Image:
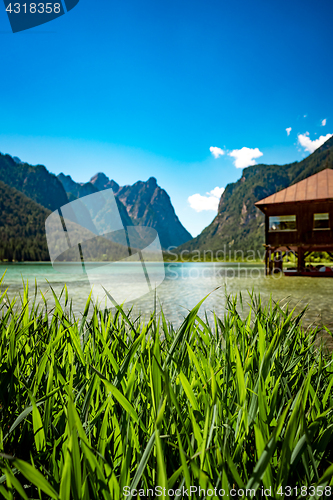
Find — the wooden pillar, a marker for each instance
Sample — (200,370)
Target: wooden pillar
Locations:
(300,259)
(270,262)
(266,262)
(273,262)
(278,261)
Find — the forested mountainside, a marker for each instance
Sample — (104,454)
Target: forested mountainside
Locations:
(36,182)
(22,227)
(239,225)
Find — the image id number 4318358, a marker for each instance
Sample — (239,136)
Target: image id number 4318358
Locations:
(33,8)
(305,491)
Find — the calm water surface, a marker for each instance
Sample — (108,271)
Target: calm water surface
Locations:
(185,285)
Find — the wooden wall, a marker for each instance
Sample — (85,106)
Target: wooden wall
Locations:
(305,234)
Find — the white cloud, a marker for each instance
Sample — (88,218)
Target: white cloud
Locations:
(288,130)
(323,123)
(309,145)
(216,192)
(216,152)
(245,156)
(210,202)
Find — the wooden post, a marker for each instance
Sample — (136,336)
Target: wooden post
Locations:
(300,259)
(266,262)
(270,262)
(278,261)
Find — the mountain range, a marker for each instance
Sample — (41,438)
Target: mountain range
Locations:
(239,225)
(143,203)
(28,194)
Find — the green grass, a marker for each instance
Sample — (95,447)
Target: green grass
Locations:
(90,406)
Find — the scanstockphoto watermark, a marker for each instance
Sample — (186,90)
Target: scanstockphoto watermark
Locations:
(217,271)
(225,254)
(222,264)
(88,239)
(183,492)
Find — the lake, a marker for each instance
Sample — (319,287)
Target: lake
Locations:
(184,286)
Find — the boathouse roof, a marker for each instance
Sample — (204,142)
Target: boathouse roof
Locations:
(316,187)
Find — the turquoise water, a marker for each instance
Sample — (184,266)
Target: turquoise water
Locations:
(184,286)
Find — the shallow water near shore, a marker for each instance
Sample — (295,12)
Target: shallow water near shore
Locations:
(184,286)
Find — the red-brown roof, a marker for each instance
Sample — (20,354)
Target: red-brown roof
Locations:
(316,187)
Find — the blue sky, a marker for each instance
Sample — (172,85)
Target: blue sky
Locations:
(145,88)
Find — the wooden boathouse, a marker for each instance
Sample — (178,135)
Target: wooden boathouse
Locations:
(299,219)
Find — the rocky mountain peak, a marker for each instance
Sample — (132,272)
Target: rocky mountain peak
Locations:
(102,181)
(67,182)
(143,203)
(17,160)
(152,182)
